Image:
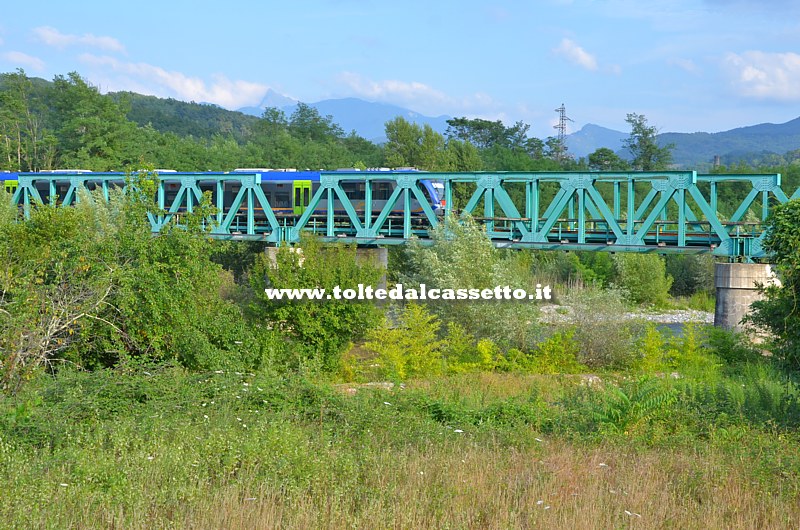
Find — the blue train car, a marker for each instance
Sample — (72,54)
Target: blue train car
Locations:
(290,192)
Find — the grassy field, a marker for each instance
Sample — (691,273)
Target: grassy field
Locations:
(158,447)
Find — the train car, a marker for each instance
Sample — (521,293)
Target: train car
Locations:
(8,181)
(289,192)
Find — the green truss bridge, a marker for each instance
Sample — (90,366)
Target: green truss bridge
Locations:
(663,212)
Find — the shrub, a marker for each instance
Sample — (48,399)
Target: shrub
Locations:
(732,347)
(557,355)
(643,277)
(411,348)
(650,351)
(322,329)
(605,337)
(450,263)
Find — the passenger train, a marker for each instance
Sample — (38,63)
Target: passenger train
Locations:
(288,192)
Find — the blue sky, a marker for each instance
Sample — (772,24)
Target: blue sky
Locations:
(688,65)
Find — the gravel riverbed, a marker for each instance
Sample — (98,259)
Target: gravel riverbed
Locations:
(559,314)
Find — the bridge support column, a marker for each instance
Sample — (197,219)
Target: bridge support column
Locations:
(379,257)
(737,288)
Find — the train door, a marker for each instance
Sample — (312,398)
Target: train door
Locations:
(10,185)
(301,196)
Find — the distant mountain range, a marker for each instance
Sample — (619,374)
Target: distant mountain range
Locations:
(366,118)
(697,150)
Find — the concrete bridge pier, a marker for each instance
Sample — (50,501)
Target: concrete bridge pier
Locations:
(737,287)
(379,257)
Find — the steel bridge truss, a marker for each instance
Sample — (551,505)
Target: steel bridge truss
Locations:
(672,211)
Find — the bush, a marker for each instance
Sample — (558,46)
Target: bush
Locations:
(650,352)
(691,273)
(732,347)
(556,355)
(643,277)
(411,348)
(605,337)
(450,263)
(322,329)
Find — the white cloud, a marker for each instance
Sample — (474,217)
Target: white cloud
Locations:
(391,90)
(156,81)
(570,50)
(687,65)
(52,37)
(24,60)
(763,75)
(417,96)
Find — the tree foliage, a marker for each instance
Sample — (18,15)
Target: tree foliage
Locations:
(91,285)
(780,311)
(643,145)
(643,277)
(450,264)
(323,327)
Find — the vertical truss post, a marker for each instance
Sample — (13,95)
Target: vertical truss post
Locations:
(681,217)
(220,200)
(629,226)
(367,203)
(331,222)
(581,216)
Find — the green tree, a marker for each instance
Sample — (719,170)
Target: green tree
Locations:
(643,277)
(780,311)
(450,263)
(25,143)
(93,131)
(307,123)
(409,144)
(323,328)
(605,159)
(643,145)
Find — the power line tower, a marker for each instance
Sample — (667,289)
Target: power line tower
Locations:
(561,147)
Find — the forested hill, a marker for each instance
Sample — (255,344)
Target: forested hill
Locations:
(68,123)
(763,144)
(201,120)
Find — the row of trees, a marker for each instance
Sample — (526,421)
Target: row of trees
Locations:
(68,123)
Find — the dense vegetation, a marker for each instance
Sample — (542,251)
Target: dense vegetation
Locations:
(148,382)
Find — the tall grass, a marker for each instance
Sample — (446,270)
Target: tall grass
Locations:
(161,448)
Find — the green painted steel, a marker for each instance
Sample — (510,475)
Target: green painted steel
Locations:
(663,212)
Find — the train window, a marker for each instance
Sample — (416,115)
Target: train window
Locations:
(283,200)
(354,190)
(349,189)
(382,191)
(306,197)
(297,197)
